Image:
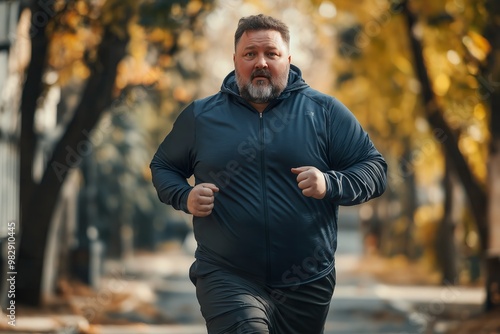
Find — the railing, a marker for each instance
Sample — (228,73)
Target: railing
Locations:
(9,135)
(9,157)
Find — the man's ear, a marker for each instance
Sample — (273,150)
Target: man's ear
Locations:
(289,59)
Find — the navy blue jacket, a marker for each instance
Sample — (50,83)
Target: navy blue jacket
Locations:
(261,225)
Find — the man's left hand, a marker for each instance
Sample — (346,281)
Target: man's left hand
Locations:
(311,180)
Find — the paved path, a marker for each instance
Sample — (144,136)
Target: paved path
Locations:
(360,304)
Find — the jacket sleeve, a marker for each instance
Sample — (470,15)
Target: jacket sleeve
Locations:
(172,163)
(359,172)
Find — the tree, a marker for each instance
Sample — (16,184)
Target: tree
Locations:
(475,192)
(109,25)
(417,143)
(479,199)
(38,201)
(492,72)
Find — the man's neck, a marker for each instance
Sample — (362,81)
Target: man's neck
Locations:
(259,106)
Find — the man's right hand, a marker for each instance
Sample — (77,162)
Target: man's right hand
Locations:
(201,199)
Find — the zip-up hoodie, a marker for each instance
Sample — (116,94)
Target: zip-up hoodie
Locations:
(262,226)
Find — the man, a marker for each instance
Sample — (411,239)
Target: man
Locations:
(272,159)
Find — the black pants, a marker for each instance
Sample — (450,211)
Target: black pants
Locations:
(232,304)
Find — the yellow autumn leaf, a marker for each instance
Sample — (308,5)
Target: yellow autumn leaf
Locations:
(159,35)
(80,70)
(72,19)
(185,38)
(193,7)
(467,145)
(478,46)
(403,64)
(427,214)
(181,94)
(441,84)
(165,61)
(138,45)
(82,8)
(480,112)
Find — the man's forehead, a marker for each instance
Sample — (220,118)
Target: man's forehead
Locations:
(254,38)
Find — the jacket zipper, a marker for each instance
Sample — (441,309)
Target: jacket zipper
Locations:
(264,195)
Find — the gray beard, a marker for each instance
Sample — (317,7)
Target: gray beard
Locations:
(263,91)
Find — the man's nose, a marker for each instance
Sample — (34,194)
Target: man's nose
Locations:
(261,62)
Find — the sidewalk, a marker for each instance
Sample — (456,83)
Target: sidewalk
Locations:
(401,309)
(151,293)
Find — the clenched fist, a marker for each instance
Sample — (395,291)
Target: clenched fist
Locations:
(201,199)
(311,180)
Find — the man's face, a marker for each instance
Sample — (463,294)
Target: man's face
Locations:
(261,63)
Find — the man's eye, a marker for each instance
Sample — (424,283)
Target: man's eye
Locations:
(249,54)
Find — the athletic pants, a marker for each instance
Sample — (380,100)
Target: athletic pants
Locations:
(232,304)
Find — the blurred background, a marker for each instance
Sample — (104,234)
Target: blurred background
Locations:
(89,89)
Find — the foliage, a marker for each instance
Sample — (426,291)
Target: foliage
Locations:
(158,29)
(95,70)
(377,81)
(158,32)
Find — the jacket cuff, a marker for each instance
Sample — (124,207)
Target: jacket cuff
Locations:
(332,189)
(183,201)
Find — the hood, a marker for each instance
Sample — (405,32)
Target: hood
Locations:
(295,82)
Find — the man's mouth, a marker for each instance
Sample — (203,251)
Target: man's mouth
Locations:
(261,75)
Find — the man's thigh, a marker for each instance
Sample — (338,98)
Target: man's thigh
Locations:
(304,308)
(231,304)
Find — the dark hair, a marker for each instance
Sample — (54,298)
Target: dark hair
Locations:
(261,22)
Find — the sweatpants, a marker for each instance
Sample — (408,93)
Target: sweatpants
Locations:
(232,304)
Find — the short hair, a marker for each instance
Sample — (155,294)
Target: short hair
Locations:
(261,22)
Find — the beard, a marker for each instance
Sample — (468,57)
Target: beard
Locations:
(263,91)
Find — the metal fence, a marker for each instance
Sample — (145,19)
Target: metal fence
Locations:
(9,115)
(9,135)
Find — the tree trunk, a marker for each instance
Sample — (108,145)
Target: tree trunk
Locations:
(445,237)
(31,92)
(37,209)
(492,71)
(409,199)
